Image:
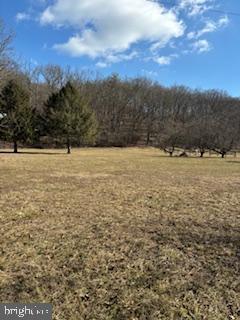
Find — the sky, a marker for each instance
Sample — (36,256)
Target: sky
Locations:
(175,42)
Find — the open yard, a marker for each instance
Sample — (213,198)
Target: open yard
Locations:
(124,234)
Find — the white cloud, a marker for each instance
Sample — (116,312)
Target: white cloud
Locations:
(101,64)
(110,31)
(115,58)
(165,60)
(195,7)
(107,28)
(21,16)
(223,22)
(111,58)
(201,46)
(210,26)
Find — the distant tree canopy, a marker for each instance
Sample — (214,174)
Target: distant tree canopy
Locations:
(72,109)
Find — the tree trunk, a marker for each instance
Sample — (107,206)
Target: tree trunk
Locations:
(223,154)
(15,147)
(148,138)
(170,154)
(68,146)
(201,154)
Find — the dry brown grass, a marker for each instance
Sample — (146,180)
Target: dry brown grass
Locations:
(121,234)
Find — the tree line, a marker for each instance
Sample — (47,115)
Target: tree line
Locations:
(46,106)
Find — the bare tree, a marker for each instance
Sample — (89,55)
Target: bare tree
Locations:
(225,128)
(6,62)
(54,77)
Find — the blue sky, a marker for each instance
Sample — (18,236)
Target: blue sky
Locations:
(171,41)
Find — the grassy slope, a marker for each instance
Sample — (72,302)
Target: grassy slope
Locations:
(121,234)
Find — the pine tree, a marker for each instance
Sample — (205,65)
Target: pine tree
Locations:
(69,117)
(16,114)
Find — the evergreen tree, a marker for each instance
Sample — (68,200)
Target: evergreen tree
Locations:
(68,117)
(16,115)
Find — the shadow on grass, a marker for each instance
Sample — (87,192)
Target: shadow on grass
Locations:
(188,157)
(33,153)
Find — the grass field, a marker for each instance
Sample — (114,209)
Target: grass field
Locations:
(121,234)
